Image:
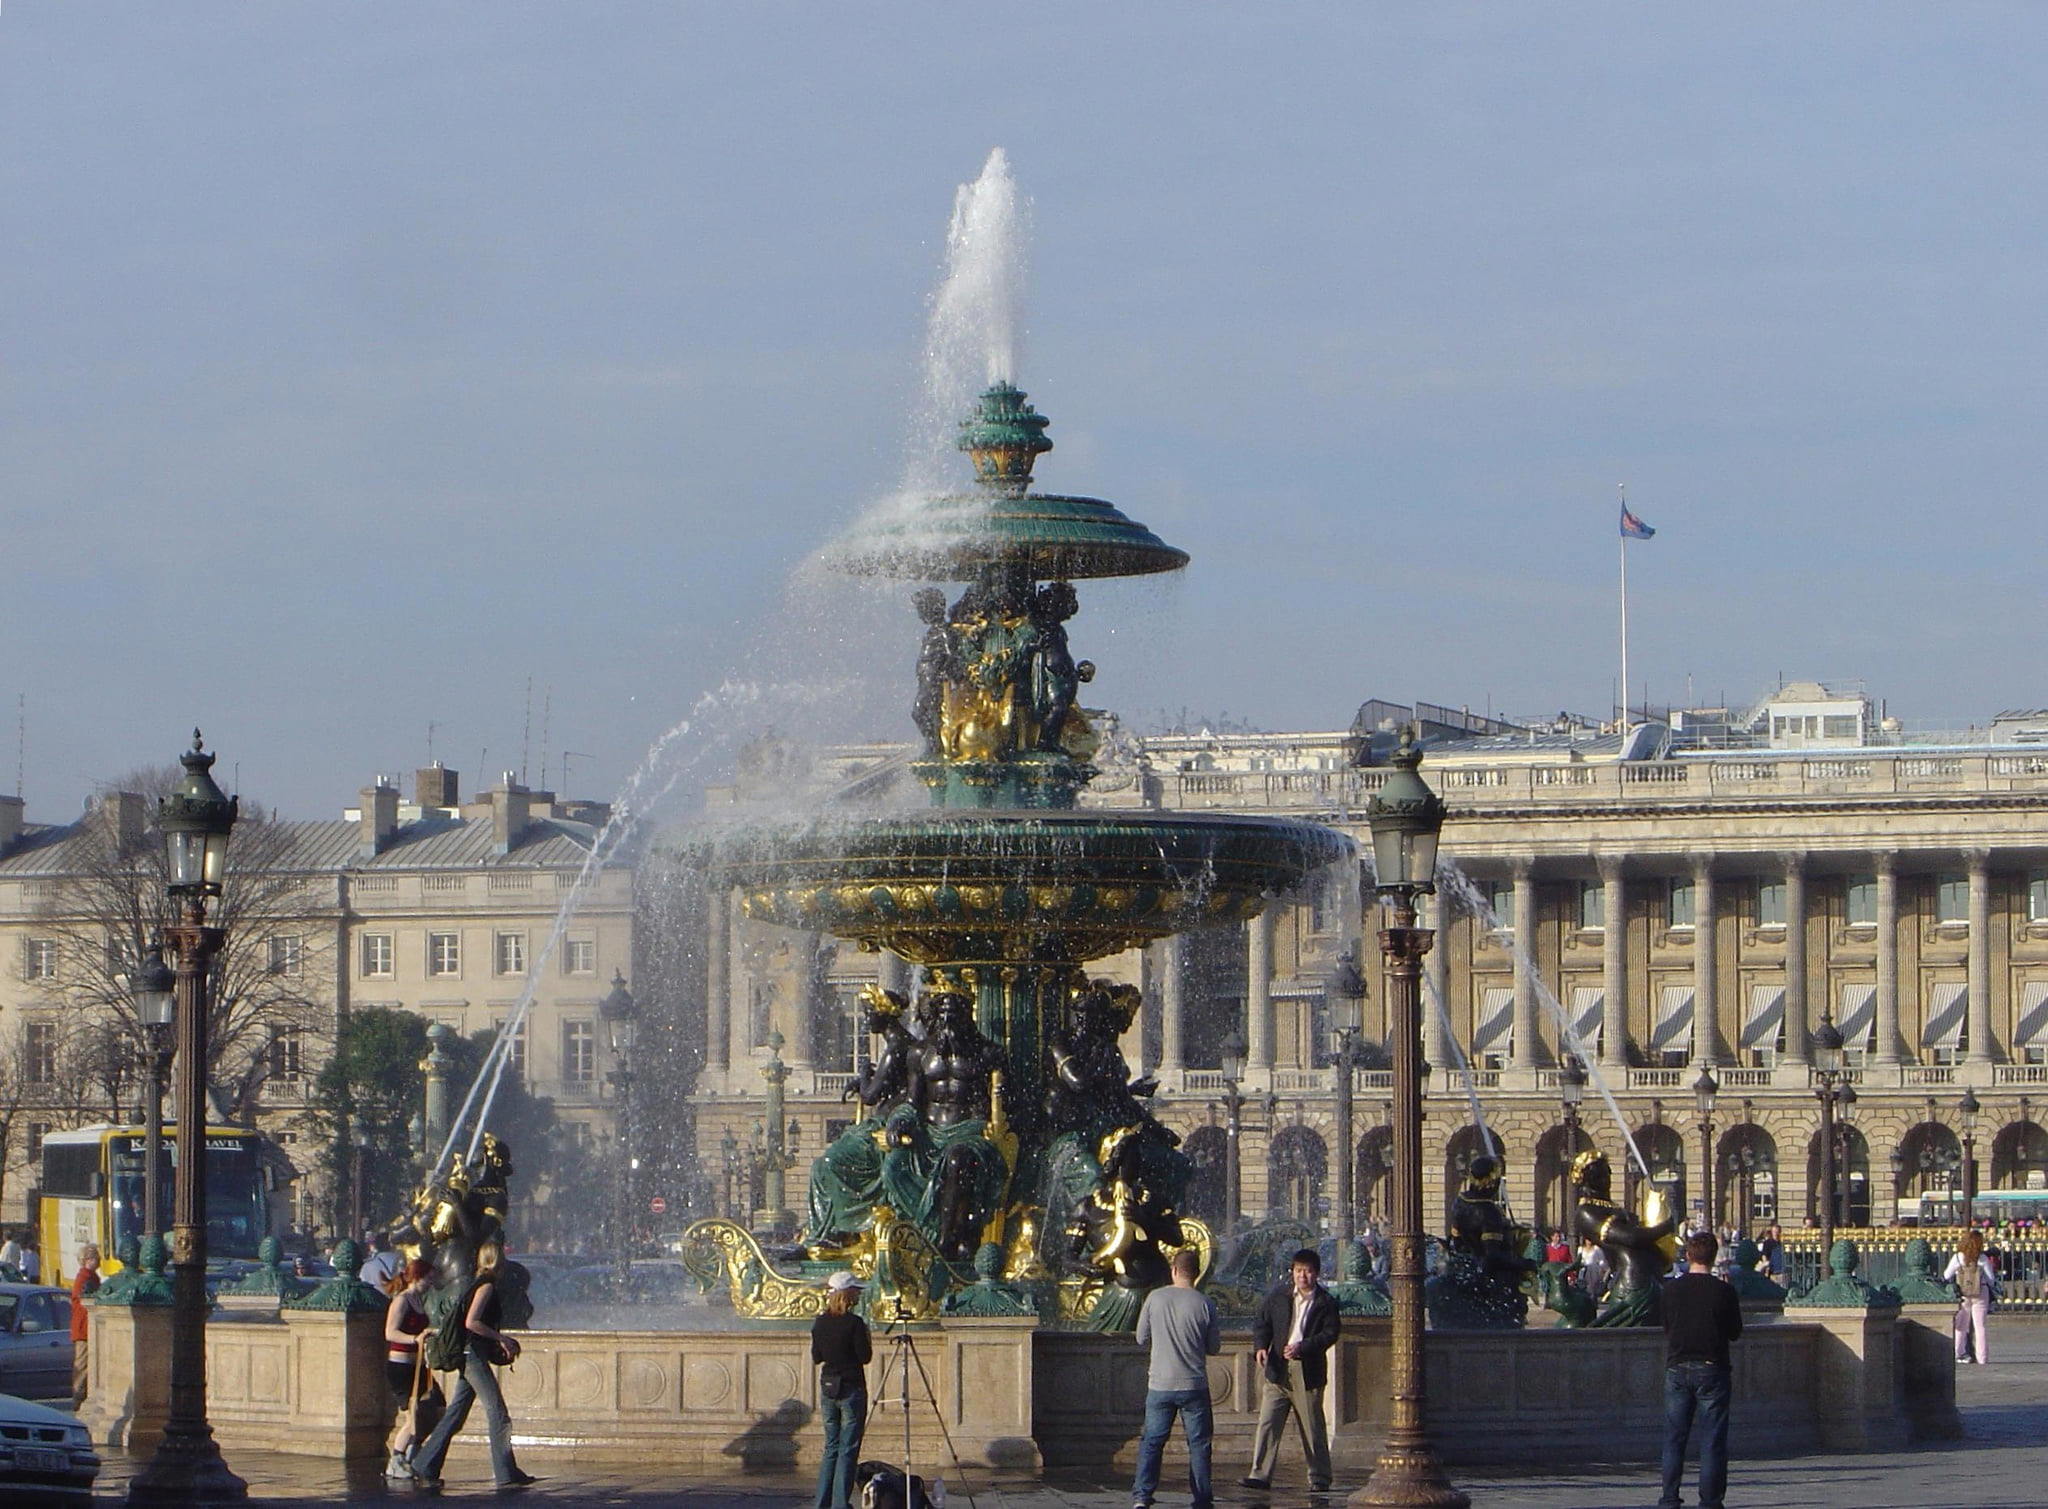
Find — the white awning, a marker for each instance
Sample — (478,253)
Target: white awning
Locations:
(2032,1030)
(1946,1003)
(1856,1017)
(1496,1032)
(1763,1025)
(1588,1005)
(1673,1032)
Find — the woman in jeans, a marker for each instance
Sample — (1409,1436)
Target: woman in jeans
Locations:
(840,1344)
(479,1380)
(1976,1284)
(404,1321)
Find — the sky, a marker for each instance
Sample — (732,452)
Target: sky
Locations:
(364,364)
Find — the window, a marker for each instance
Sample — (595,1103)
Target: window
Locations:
(515,1054)
(39,959)
(510,954)
(1838,728)
(377,961)
(1592,906)
(1493,1038)
(1952,900)
(287,954)
(579,1052)
(39,1052)
(37,1131)
(1681,903)
(288,1056)
(1770,903)
(1859,901)
(2037,897)
(579,956)
(444,953)
(1501,899)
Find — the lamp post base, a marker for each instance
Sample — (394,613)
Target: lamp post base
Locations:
(187,1469)
(1409,1480)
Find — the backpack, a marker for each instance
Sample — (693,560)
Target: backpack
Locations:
(1970,1280)
(445,1342)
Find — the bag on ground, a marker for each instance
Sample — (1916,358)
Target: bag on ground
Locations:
(881,1487)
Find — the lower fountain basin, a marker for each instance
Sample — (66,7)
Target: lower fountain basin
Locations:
(945,886)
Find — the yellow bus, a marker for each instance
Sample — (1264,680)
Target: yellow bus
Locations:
(92,1192)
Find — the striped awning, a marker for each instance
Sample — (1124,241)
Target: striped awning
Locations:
(1946,1003)
(1856,1016)
(1763,1025)
(1673,1031)
(1588,1005)
(1496,1031)
(2032,1029)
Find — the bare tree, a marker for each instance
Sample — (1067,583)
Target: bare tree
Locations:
(24,1090)
(272,976)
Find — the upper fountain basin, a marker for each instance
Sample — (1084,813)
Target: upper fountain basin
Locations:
(1071,886)
(1053,536)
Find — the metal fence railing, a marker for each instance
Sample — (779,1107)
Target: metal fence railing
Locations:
(2021,1256)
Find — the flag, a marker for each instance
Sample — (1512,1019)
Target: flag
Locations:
(1633,528)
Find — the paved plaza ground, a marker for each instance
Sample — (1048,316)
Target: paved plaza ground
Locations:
(2002,1464)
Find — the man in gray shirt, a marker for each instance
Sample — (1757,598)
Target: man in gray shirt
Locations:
(1179,1324)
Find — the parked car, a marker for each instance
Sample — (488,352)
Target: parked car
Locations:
(35,1341)
(44,1453)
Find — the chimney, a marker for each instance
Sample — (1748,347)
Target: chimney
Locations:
(379,820)
(436,786)
(126,815)
(509,813)
(10,822)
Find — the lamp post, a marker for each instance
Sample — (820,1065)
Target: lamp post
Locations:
(1406,819)
(1571,1090)
(1233,1110)
(1967,1109)
(1347,1017)
(155,991)
(729,1146)
(773,1218)
(196,821)
(1704,1089)
(1827,1071)
(358,1134)
(621,1018)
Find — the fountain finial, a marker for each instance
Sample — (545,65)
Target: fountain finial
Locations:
(1004,435)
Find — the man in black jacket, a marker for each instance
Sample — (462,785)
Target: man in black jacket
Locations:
(1701,1315)
(1297,1325)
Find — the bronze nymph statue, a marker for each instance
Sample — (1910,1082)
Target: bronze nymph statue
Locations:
(1639,1251)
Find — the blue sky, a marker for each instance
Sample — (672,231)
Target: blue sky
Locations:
(473,344)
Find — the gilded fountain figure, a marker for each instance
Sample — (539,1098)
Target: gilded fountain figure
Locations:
(1639,1248)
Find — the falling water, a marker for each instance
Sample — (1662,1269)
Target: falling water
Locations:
(1474,901)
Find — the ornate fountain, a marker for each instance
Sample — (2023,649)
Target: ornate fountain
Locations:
(1006,1161)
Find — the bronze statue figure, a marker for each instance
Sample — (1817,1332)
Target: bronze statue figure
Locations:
(965,1173)
(846,1179)
(938,665)
(1639,1251)
(1480,1288)
(1056,677)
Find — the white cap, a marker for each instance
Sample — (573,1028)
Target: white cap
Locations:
(841,1280)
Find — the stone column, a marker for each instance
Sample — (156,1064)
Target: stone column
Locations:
(1797,1026)
(892,972)
(1436,995)
(739,1010)
(1259,993)
(1706,973)
(805,988)
(717,983)
(1888,1045)
(1172,1005)
(1982,1049)
(1525,966)
(1614,964)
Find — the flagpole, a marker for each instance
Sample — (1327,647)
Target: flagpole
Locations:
(1622,488)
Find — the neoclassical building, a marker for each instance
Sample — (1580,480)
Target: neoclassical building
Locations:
(1699,892)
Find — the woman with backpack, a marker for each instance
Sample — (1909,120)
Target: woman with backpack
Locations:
(842,1348)
(1976,1281)
(404,1369)
(484,1349)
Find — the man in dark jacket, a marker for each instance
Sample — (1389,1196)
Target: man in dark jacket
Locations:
(1297,1326)
(1701,1315)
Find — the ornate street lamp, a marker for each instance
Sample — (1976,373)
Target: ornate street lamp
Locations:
(358,1134)
(1827,1072)
(154,990)
(196,821)
(773,1218)
(1967,1109)
(1347,1018)
(1406,819)
(729,1147)
(1704,1089)
(621,1018)
(1233,1110)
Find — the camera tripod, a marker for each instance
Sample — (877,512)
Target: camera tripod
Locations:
(903,1357)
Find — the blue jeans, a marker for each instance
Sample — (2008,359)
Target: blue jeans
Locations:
(1197,1423)
(477,1381)
(1702,1388)
(844,1419)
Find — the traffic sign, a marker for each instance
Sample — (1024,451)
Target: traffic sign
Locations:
(657,1206)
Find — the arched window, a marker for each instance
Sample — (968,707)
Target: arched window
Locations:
(1663,1148)
(1465,1144)
(1852,1177)
(1555,1150)
(1295,1170)
(1208,1149)
(1375,1168)
(2019,1157)
(1746,1178)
